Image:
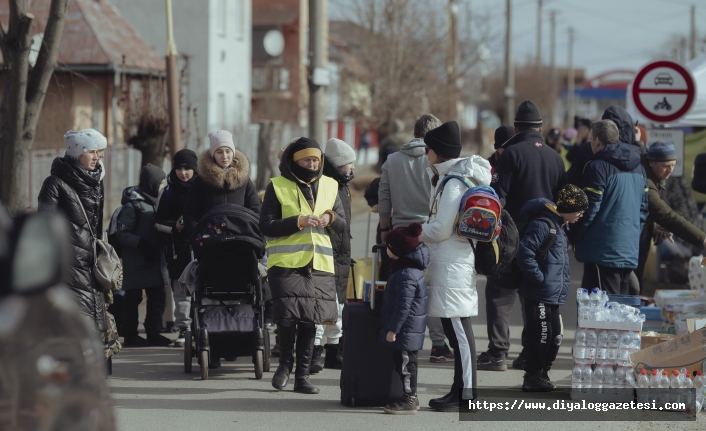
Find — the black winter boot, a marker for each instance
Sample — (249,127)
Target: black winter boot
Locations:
(334,359)
(305,346)
(533,382)
(287,334)
(317,363)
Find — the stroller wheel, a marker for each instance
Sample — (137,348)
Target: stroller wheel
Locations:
(188,351)
(258,360)
(266,359)
(204,364)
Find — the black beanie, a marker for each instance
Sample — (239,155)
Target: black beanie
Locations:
(503,134)
(698,183)
(185,159)
(303,144)
(445,140)
(528,113)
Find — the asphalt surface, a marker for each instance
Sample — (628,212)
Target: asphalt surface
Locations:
(152,392)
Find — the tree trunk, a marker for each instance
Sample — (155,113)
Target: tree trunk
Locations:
(23,94)
(266,152)
(153,151)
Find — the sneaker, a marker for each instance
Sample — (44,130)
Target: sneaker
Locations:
(520,362)
(181,339)
(158,340)
(135,341)
(535,383)
(406,405)
(545,377)
(440,354)
(488,362)
(317,364)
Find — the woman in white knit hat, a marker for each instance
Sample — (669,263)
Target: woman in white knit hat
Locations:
(224,177)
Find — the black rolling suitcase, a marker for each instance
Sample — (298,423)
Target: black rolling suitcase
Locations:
(368,376)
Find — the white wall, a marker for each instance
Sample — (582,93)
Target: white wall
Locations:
(230,67)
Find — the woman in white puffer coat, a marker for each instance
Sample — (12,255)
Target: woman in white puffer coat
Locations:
(451,276)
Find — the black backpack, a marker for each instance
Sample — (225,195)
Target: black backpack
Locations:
(494,258)
(510,276)
(113,228)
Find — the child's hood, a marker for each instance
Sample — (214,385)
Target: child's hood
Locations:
(541,207)
(420,256)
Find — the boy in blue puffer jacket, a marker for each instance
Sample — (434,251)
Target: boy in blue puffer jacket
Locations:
(404,311)
(545,279)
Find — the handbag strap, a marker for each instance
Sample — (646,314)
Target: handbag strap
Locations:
(88,222)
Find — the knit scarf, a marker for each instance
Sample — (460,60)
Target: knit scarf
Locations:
(402,263)
(304,175)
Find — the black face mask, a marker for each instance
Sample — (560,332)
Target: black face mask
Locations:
(303,174)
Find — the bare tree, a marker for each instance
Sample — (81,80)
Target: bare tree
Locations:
(145,120)
(530,83)
(23,93)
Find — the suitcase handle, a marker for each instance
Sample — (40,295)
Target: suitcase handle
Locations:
(376,252)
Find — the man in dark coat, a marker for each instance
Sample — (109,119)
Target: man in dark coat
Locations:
(659,164)
(607,238)
(143,259)
(73,190)
(527,169)
(338,164)
(174,239)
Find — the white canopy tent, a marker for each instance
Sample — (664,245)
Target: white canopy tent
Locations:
(697,114)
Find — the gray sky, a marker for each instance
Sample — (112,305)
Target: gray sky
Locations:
(609,34)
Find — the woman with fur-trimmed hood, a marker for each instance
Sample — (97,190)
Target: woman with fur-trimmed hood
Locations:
(224,177)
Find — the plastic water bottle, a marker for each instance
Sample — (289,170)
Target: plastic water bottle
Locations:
(664,388)
(699,382)
(654,386)
(613,344)
(594,303)
(580,345)
(586,378)
(675,385)
(624,348)
(591,342)
(643,387)
(630,378)
(602,347)
(635,341)
(688,390)
(598,379)
(608,379)
(576,384)
(619,380)
(583,307)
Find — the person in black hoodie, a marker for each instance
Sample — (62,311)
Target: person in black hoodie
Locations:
(170,222)
(143,259)
(338,164)
(300,210)
(527,169)
(626,128)
(74,191)
(224,177)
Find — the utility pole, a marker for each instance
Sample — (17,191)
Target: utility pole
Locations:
(509,68)
(570,95)
(539,34)
(318,67)
(452,59)
(692,33)
(552,66)
(172,85)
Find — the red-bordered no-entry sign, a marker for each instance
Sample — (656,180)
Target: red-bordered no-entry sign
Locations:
(663,91)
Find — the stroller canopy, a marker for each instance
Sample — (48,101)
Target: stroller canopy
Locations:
(227,222)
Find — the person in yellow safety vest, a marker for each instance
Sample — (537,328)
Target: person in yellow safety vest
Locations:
(301,208)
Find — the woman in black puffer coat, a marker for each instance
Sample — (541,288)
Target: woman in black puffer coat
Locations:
(224,178)
(75,181)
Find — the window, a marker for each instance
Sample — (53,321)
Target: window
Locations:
(221,17)
(221,110)
(239,19)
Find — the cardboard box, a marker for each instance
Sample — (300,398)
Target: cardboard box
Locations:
(685,351)
(650,339)
(695,324)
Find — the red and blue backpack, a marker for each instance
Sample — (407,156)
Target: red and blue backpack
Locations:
(479,214)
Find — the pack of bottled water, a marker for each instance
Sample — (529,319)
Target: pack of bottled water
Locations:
(660,387)
(596,306)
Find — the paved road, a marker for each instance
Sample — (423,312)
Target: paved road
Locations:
(151,391)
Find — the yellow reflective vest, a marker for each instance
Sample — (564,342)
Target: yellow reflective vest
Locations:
(310,243)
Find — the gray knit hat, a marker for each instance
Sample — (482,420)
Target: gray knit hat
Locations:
(101,141)
(339,153)
(78,143)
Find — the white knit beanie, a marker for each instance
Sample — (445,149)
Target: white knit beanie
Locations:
(101,141)
(220,138)
(78,143)
(339,153)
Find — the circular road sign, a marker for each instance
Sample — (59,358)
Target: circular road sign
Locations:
(663,91)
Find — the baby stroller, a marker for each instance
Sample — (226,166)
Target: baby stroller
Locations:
(227,305)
